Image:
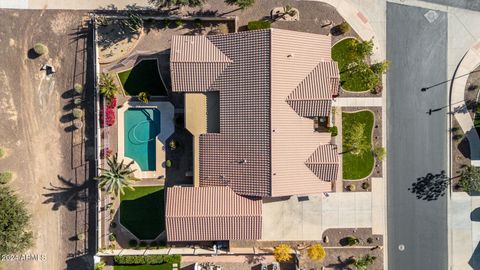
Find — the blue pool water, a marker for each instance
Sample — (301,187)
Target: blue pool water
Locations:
(142,125)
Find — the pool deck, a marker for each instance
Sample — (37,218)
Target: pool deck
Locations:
(166,130)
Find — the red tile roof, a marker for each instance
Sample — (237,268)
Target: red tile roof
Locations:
(211,213)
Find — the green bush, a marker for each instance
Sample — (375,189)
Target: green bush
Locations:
(132,243)
(5,177)
(344,27)
(365,185)
(168,163)
(80,236)
(77,113)
(143,97)
(178,23)
(173,144)
(40,49)
(333,130)
(100,266)
(140,260)
(352,241)
(2,152)
(78,88)
(77,101)
(112,237)
(379,152)
(255,25)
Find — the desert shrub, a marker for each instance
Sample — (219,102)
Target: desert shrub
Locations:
(132,243)
(369,240)
(168,163)
(40,49)
(223,28)
(80,236)
(78,123)
(77,101)
(255,25)
(365,185)
(112,237)
(333,130)
(2,152)
(344,27)
(5,177)
(316,252)
(282,253)
(351,241)
(78,88)
(77,113)
(351,187)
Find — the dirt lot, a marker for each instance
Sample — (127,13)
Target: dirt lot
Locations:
(49,156)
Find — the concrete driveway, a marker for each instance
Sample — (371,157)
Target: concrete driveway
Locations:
(305,218)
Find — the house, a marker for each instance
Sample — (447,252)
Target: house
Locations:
(273,90)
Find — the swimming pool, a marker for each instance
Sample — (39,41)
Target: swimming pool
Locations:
(141,127)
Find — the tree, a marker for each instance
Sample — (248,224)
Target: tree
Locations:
(108,88)
(364,49)
(363,262)
(355,139)
(143,97)
(242,4)
(344,27)
(282,253)
(15,235)
(117,177)
(379,152)
(360,75)
(470,179)
(177,3)
(316,252)
(100,265)
(380,67)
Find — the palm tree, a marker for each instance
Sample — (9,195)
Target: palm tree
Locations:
(108,88)
(117,177)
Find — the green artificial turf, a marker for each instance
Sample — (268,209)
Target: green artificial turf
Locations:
(165,266)
(359,166)
(344,53)
(143,77)
(142,211)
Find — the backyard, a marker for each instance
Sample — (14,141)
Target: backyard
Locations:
(143,77)
(142,211)
(357,166)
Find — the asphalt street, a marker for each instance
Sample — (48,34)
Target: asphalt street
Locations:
(466,4)
(417,124)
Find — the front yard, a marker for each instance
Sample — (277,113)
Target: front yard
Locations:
(357,166)
(142,211)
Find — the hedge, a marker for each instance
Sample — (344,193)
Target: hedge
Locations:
(140,260)
(255,25)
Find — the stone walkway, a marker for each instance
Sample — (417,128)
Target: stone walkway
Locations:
(358,102)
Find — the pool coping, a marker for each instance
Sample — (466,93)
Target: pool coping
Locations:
(160,154)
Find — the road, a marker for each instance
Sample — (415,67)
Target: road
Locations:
(416,143)
(466,4)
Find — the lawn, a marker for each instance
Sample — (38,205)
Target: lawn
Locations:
(165,266)
(358,81)
(143,77)
(359,166)
(142,211)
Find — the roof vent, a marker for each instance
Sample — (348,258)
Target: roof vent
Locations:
(242,161)
(290,55)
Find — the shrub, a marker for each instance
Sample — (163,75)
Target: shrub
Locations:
(112,237)
(178,23)
(255,25)
(379,152)
(173,144)
(365,185)
(344,27)
(380,67)
(112,103)
(134,22)
(143,97)
(106,152)
(151,259)
(223,28)
(470,179)
(377,89)
(166,23)
(168,163)
(80,237)
(100,266)
(316,252)
(369,240)
(282,253)
(132,243)
(40,49)
(108,117)
(77,113)
(78,88)
(333,130)
(352,241)
(351,187)
(2,152)
(78,123)
(5,177)
(77,101)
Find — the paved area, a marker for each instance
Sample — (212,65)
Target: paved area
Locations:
(417,141)
(305,218)
(358,102)
(466,4)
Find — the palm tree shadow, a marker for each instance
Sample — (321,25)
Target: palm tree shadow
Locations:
(69,194)
(431,186)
